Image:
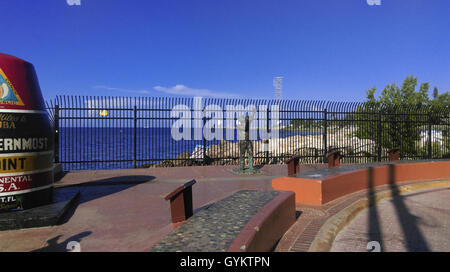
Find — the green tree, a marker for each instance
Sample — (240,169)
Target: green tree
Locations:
(440,100)
(397,117)
(435,92)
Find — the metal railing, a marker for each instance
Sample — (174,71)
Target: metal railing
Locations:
(125,132)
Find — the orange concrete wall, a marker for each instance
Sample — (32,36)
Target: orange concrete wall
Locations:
(424,170)
(318,192)
(299,186)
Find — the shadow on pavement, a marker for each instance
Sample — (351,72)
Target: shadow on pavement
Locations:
(54,246)
(408,222)
(374,228)
(100,188)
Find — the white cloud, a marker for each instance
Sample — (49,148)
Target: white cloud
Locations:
(175,90)
(184,90)
(121,89)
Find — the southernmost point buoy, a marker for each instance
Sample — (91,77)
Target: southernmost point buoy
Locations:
(26,138)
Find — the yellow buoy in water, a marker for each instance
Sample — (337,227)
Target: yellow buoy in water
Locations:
(103,112)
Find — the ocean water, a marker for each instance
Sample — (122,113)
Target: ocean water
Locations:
(114,148)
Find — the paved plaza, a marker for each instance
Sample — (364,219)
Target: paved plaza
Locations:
(419,214)
(414,221)
(125,210)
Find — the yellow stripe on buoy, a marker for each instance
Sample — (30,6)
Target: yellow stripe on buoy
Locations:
(23,163)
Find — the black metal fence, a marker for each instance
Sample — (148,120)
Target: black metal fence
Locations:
(125,132)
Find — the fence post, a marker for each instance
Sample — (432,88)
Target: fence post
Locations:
(204,141)
(135,138)
(267,130)
(56,127)
(379,135)
(325,134)
(429,136)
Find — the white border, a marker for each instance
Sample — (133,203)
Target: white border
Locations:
(26,172)
(26,191)
(22,111)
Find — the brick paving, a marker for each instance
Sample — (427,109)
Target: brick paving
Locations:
(414,221)
(301,235)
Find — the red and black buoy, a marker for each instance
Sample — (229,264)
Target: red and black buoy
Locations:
(26,138)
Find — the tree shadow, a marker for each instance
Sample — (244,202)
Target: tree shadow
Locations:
(54,246)
(97,189)
(415,241)
(374,228)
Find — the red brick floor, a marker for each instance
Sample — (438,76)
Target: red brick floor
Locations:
(180,174)
(115,213)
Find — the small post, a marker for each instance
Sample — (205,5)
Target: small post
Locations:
(181,207)
(293,165)
(394,154)
(56,127)
(334,158)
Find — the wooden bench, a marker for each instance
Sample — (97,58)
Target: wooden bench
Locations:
(181,202)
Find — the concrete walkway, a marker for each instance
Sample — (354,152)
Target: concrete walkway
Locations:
(414,221)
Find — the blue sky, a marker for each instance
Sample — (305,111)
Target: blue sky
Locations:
(324,49)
